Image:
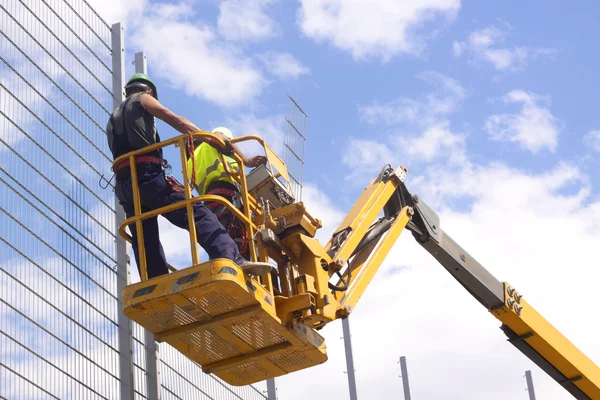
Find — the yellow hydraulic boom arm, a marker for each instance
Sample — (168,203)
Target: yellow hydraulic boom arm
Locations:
(525,328)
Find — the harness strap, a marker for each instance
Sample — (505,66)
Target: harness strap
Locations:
(140,159)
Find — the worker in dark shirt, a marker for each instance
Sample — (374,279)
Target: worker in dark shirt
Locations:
(132,127)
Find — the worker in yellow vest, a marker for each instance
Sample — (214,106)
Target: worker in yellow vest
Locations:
(212,178)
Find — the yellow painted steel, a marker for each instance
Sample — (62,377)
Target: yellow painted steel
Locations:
(361,216)
(365,265)
(297,215)
(137,207)
(171,207)
(275,162)
(545,339)
(226,322)
(309,256)
(187,189)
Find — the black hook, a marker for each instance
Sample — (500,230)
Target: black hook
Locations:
(102,178)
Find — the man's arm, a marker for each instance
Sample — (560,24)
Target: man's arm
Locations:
(183,125)
(164,114)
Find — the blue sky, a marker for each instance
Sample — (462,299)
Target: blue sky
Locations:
(539,51)
(491,106)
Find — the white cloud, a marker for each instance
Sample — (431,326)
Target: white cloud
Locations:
(326,210)
(373,155)
(113,11)
(431,106)
(485,45)
(401,109)
(378,29)
(283,65)
(416,130)
(246,20)
(178,47)
(457,48)
(269,128)
(435,140)
(534,127)
(592,139)
(176,243)
(435,143)
(187,52)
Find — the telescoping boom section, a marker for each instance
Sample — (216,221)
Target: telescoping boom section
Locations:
(245,329)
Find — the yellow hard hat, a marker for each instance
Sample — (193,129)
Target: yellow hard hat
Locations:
(224,131)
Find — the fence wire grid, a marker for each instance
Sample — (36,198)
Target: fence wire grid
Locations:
(59,307)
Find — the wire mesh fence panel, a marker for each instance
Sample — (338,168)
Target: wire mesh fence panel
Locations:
(58,303)
(139,362)
(59,308)
(183,379)
(293,145)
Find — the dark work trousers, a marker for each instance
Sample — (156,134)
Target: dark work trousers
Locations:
(235,227)
(155,192)
(230,221)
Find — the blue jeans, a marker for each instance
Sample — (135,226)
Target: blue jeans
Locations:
(155,192)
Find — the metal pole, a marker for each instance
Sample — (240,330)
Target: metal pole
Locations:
(271,389)
(349,359)
(123,275)
(152,355)
(141,64)
(404,375)
(530,388)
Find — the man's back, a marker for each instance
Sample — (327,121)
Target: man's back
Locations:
(131,127)
(208,167)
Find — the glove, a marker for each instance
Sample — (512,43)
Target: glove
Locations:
(228,150)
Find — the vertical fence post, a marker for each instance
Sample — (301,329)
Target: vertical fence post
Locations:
(530,388)
(349,359)
(123,276)
(152,349)
(141,64)
(271,389)
(404,375)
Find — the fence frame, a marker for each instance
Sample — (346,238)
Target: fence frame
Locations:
(123,271)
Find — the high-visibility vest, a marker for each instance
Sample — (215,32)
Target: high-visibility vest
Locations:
(208,166)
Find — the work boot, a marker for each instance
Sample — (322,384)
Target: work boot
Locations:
(254,267)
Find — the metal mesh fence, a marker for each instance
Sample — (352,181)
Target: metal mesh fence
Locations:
(59,308)
(139,362)
(293,144)
(183,379)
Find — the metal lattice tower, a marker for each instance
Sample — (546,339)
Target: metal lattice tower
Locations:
(293,144)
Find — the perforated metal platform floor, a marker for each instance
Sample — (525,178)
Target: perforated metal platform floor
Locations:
(224,321)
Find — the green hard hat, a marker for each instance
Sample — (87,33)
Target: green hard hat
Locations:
(139,77)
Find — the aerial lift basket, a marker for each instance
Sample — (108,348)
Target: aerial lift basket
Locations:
(219,318)
(212,312)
